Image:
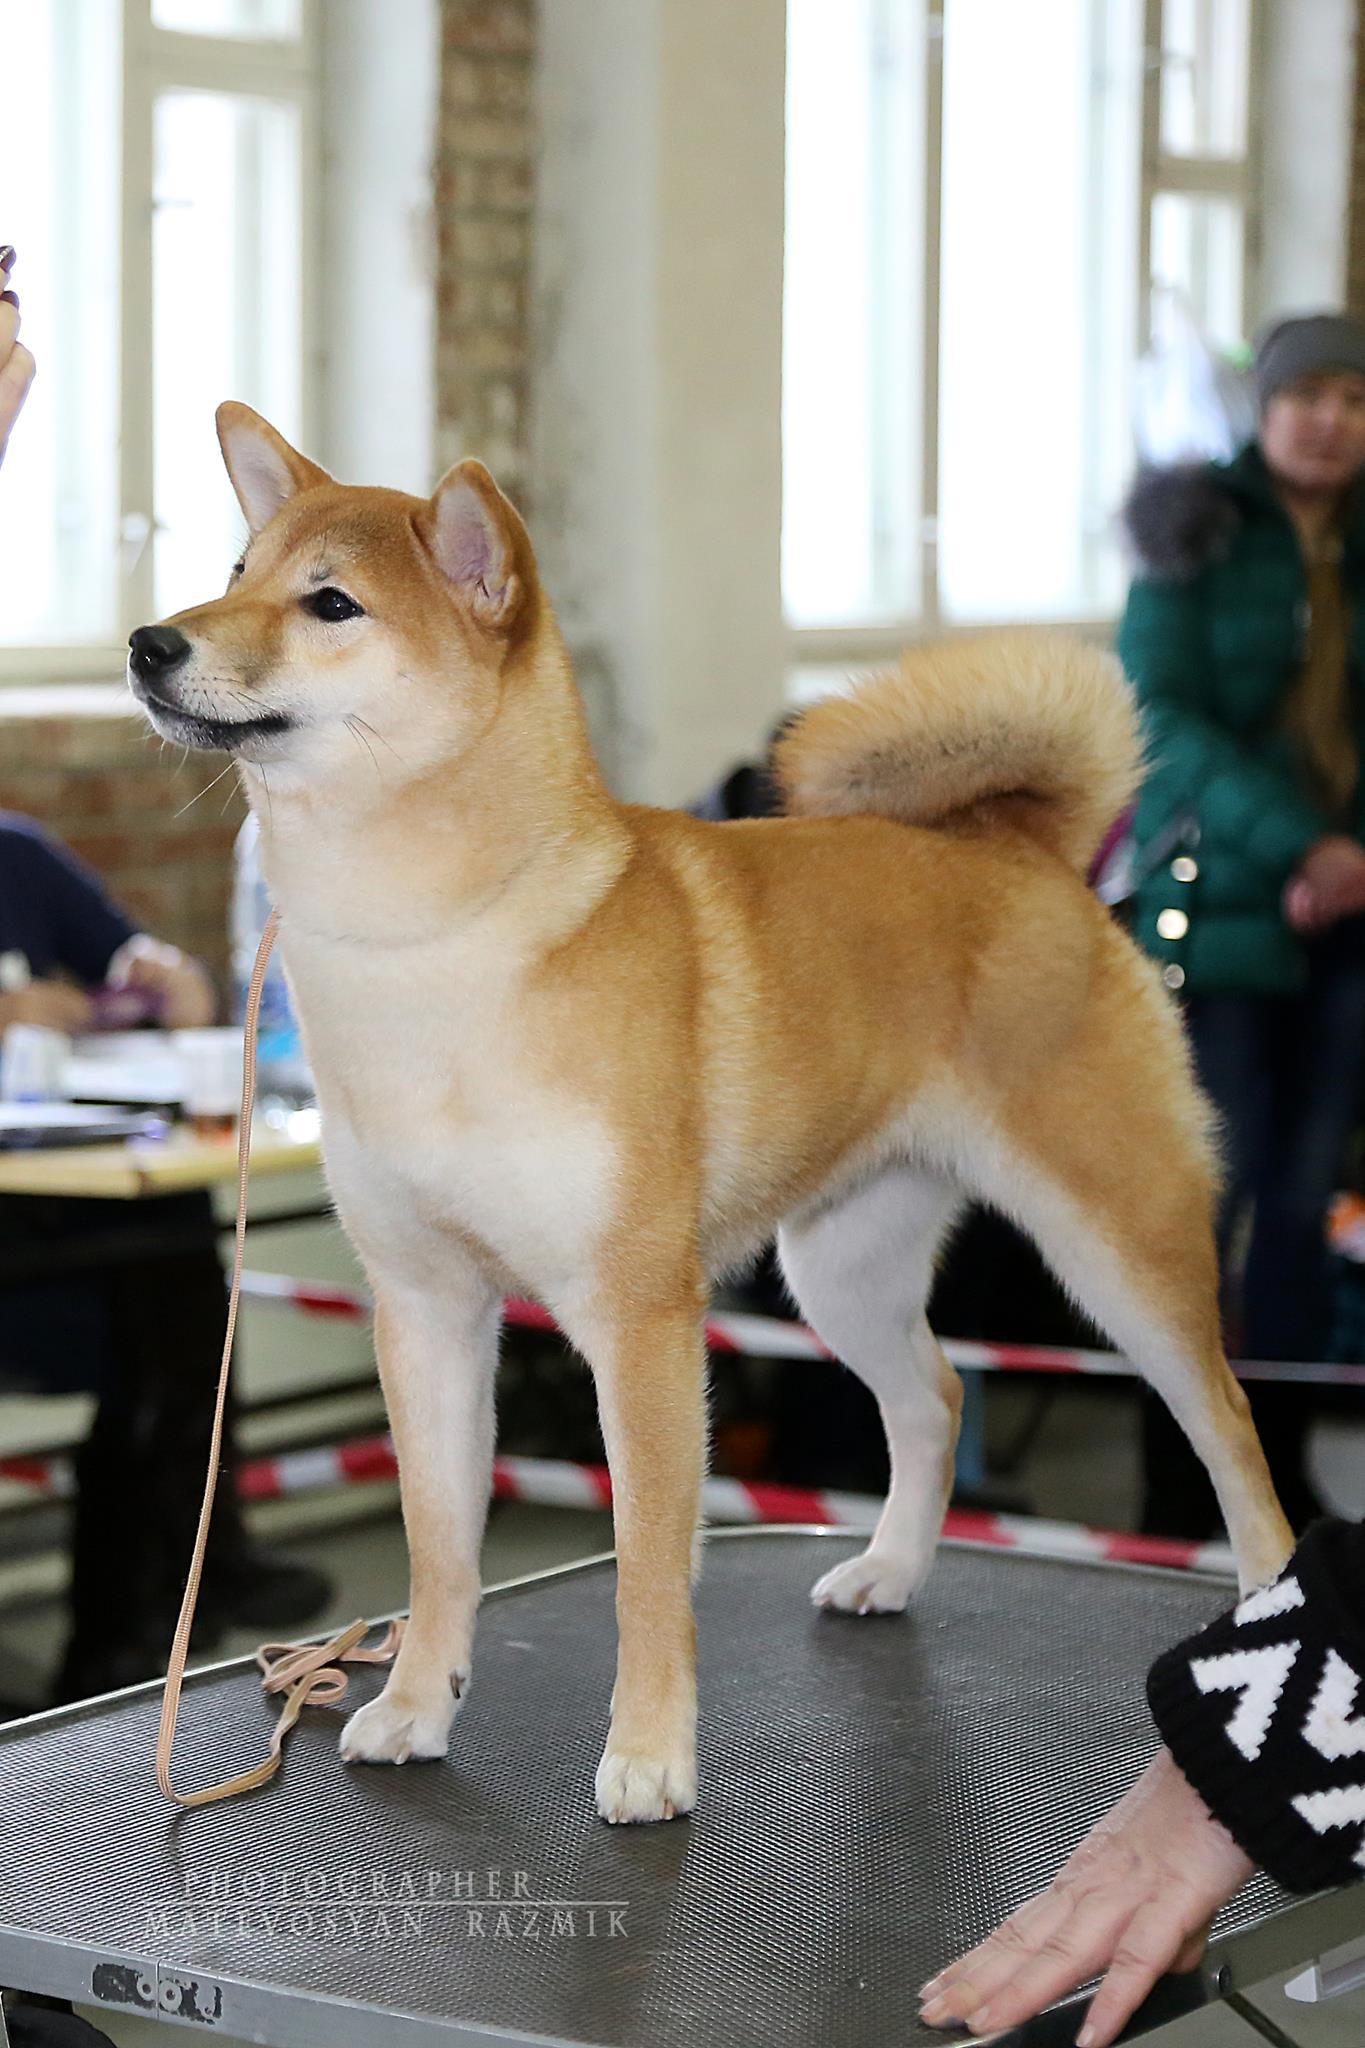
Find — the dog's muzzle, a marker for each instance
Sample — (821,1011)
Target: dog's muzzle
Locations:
(155,655)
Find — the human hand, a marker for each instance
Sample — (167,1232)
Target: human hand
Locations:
(184,988)
(52,1003)
(1328,885)
(16,363)
(1135,1900)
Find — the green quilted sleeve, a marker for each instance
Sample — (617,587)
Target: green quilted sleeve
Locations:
(1195,764)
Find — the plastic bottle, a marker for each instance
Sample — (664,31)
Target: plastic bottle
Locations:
(280,1063)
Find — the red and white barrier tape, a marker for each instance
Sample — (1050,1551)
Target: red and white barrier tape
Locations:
(55,1476)
(556,1483)
(552,1482)
(769,1337)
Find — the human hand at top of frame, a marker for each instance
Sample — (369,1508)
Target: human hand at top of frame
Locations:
(16,362)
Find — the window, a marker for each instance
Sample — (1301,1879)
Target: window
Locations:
(156,171)
(988,206)
(1197,167)
(853,328)
(59,153)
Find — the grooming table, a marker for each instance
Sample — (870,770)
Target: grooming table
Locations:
(875,1795)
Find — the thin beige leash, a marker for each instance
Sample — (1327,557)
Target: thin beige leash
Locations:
(311,1675)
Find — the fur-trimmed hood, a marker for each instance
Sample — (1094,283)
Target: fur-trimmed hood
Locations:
(1179,520)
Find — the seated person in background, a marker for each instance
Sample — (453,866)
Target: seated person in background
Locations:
(1246,1777)
(749,790)
(141,1330)
(56,922)
(144,1333)
(1245,637)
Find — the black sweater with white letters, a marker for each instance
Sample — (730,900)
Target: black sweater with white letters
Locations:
(1264,1711)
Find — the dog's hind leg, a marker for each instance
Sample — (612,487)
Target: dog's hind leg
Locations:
(437,1348)
(861,1270)
(1106,1164)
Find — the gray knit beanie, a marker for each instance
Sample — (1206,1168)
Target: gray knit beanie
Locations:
(1304,347)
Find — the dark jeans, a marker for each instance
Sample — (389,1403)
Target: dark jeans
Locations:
(142,1330)
(1285,1074)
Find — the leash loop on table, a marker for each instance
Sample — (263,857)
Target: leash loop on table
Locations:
(311,1675)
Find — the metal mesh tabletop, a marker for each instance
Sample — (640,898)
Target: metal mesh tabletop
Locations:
(875,1795)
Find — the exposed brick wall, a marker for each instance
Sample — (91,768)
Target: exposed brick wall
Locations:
(484,175)
(106,786)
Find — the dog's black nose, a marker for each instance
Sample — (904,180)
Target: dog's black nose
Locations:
(156,650)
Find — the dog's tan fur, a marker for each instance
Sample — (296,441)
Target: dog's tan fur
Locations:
(599,1052)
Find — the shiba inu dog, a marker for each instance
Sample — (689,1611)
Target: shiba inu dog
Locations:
(596,1052)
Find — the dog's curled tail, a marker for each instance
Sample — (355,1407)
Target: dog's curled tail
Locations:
(1033,731)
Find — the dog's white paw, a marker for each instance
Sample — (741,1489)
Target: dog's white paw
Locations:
(632,1787)
(875,1583)
(397,1729)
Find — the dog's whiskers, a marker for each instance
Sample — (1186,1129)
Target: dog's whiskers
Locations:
(356,719)
(353,728)
(205,790)
(252,704)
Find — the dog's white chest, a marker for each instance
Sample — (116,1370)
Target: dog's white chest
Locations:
(437,1116)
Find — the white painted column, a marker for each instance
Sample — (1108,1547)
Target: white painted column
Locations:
(381,73)
(656,438)
(1307,98)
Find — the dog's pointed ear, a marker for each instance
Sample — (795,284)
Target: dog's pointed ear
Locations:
(265,471)
(477,542)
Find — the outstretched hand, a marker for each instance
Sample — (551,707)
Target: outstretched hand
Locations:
(1135,1900)
(16,363)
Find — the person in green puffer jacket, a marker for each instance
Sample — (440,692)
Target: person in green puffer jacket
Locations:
(1244,636)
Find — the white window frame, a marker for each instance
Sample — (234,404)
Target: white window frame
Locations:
(1234,178)
(154,60)
(835,647)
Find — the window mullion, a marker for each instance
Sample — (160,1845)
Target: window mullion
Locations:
(935,29)
(1153,42)
(136,368)
(1217,177)
(1232,179)
(311,204)
(1253,215)
(225,63)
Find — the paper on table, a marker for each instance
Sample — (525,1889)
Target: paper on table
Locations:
(26,1125)
(49,1116)
(156,1075)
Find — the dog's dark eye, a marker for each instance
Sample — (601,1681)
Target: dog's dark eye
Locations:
(332,605)
(238,569)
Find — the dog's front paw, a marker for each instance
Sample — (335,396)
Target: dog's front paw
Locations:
(875,1583)
(399,1727)
(632,1786)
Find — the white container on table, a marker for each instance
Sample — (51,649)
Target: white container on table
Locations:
(211,1062)
(33,1061)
